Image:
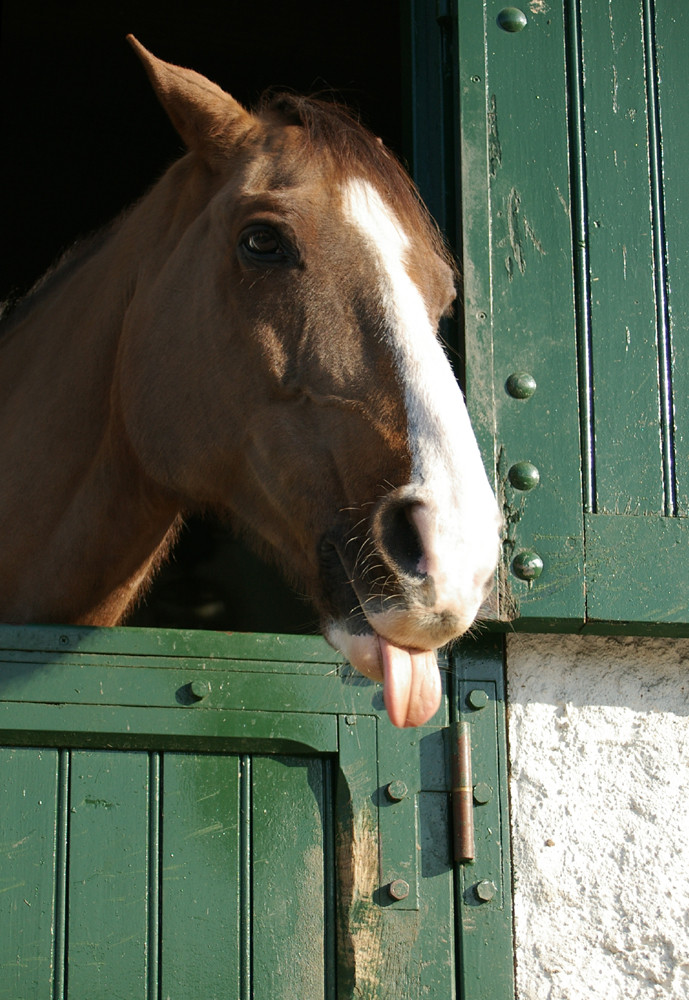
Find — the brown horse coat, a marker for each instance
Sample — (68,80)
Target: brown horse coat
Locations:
(256,336)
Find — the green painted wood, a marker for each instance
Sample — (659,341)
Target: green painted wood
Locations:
(637,569)
(196,863)
(387,949)
(486,967)
(519,305)
(628,456)
(200,865)
(28,830)
(575,241)
(302,653)
(289,903)
(108,876)
(130,728)
(672,25)
(428,100)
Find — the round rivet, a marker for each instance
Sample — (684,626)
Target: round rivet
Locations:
(199,689)
(485,890)
(521,385)
(399,889)
(527,565)
(482,793)
(478,698)
(396,791)
(524,476)
(511,19)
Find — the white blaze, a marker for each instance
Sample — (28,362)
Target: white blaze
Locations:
(459,522)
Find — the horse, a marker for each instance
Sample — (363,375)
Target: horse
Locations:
(257,336)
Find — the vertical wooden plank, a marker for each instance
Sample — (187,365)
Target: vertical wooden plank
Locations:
(108,876)
(484,885)
(154,873)
(289,942)
(519,299)
(671,30)
(201,876)
(27,872)
(629,476)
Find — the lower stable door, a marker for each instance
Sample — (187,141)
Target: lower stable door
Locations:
(310,861)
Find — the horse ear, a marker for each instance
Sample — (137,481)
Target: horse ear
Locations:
(208,120)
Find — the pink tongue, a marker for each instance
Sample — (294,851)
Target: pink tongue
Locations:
(411,684)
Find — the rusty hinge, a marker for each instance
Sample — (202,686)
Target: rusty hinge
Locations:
(462,794)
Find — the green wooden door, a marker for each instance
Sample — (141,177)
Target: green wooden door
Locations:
(194,815)
(126,873)
(573,206)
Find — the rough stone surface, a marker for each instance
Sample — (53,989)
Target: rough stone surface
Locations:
(599,758)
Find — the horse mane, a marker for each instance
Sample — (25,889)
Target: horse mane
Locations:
(332,127)
(15,308)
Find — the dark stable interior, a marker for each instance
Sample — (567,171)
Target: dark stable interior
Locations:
(83,137)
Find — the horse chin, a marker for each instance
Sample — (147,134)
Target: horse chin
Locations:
(388,639)
(410,677)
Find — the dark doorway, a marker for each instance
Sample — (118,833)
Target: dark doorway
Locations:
(83,136)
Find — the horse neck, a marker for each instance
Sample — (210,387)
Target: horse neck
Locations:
(86,524)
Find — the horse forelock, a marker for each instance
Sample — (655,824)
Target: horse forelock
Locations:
(330,129)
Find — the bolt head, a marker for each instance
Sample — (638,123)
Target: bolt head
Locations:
(398,889)
(478,698)
(511,19)
(200,688)
(527,565)
(483,793)
(485,890)
(521,385)
(396,791)
(524,476)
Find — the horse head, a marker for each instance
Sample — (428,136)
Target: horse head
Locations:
(283,366)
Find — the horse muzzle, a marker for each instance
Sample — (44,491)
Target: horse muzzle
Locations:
(414,581)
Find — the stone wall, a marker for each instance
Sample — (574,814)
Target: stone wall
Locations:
(599,784)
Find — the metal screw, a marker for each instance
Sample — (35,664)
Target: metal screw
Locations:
(399,889)
(396,791)
(485,890)
(478,698)
(199,689)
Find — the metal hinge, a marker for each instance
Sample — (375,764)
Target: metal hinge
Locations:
(462,794)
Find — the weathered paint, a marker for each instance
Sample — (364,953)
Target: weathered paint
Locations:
(171,843)
(573,201)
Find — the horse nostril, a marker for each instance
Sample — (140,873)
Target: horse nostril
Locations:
(399,539)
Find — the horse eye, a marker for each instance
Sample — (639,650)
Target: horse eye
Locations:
(263,242)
